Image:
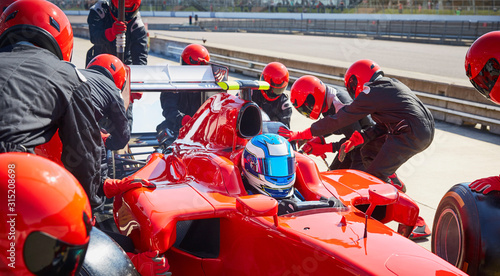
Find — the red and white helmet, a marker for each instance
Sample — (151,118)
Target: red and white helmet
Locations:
(482,65)
(131,9)
(46,217)
(308,96)
(39,22)
(359,73)
(277,76)
(195,54)
(112,65)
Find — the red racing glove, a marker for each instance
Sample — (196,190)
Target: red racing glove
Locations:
(355,140)
(486,185)
(117,28)
(114,187)
(317,146)
(295,135)
(185,119)
(150,263)
(135,96)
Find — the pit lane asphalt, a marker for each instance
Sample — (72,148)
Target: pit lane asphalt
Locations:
(458,154)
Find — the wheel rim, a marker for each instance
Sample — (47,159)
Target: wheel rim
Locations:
(449,241)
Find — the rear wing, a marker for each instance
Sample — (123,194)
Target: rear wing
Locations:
(177,78)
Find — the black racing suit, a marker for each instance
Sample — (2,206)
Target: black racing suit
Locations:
(100,19)
(108,102)
(279,110)
(175,106)
(353,159)
(41,94)
(404,126)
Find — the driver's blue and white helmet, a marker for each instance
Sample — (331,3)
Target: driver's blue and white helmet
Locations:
(268,163)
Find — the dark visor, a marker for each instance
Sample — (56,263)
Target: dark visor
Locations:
(487,77)
(307,107)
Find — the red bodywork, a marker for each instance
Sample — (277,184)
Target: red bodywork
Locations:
(200,216)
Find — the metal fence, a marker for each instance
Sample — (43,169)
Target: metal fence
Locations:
(443,32)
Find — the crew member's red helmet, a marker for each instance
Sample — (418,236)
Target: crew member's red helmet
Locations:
(131,9)
(308,96)
(195,54)
(276,75)
(45,217)
(4,4)
(111,66)
(359,73)
(39,22)
(482,65)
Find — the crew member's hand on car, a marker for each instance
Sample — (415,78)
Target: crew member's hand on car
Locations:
(150,263)
(486,185)
(135,96)
(295,135)
(355,140)
(117,28)
(113,187)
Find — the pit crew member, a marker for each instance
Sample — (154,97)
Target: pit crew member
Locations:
(178,108)
(273,101)
(310,91)
(404,126)
(482,67)
(103,28)
(41,92)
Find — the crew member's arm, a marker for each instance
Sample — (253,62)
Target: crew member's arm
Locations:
(139,42)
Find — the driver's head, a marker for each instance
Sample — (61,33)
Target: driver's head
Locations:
(46,217)
(268,163)
(110,66)
(482,65)
(39,22)
(277,76)
(195,54)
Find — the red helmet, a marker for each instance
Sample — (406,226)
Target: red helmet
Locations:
(482,65)
(46,217)
(195,54)
(359,73)
(308,95)
(114,68)
(39,22)
(131,9)
(4,4)
(276,75)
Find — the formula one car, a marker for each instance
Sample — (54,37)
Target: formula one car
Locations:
(200,216)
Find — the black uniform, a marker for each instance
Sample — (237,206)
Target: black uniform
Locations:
(41,94)
(353,159)
(404,126)
(279,110)
(108,102)
(175,106)
(100,19)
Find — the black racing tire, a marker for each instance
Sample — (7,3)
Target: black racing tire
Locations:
(466,230)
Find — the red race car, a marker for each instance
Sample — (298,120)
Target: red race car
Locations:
(200,216)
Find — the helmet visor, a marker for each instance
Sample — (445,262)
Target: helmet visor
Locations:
(277,166)
(352,84)
(307,107)
(274,92)
(46,255)
(486,78)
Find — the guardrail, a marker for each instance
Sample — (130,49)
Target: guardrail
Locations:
(449,102)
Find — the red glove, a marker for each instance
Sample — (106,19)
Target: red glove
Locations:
(117,28)
(318,147)
(113,187)
(355,140)
(185,119)
(104,136)
(135,96)
(149,263)
(295,135)
(486,185)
